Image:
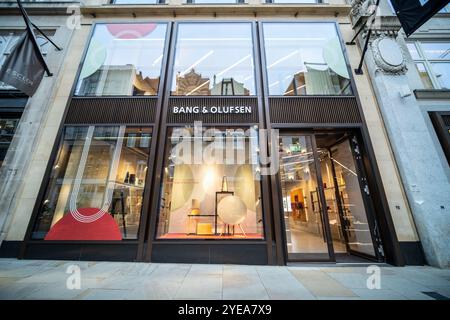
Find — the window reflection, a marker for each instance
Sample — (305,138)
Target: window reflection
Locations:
(424,77)
(436,50)
(96,187)
(442,72)
(8,126)
(294,1)
(413,51)
(137,1)
(214,59)
(214,1)
(123,60)
(305,59)
(432,61)
(347,215)
(445,9)
(303,220)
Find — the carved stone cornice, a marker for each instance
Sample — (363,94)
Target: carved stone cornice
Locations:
(360,11)
(363,9)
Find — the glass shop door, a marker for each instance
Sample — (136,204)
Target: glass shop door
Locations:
(306,226)
(347,195)
(326,202)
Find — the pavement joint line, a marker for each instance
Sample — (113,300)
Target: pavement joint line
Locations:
(435,295)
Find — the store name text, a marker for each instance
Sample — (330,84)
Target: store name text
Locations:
(212,109)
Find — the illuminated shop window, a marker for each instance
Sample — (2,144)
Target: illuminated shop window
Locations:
(123,59)
(96,186)
(305,59)
(214,59)
(211,187)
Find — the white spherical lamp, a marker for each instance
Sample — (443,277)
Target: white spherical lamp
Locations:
(232,210)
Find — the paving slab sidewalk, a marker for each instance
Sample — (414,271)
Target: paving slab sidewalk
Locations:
(38,279)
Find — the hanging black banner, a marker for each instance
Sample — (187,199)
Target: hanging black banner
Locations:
(414,13)
(23,68)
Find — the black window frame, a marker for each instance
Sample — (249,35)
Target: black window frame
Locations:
(57,148)
(166,150)
(340,38)
(86,49)
(171,72)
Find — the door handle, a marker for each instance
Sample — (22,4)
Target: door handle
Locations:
(366,189)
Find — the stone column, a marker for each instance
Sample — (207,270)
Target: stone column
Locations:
(423,176)
(13,173)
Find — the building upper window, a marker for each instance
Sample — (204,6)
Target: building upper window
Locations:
(294,1)
(96,185)
(214,1)
(432,60)
(123,59)
(305,59)
(445,9)
(137,1)
(214,59)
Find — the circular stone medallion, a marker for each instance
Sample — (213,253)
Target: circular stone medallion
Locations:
(390,52)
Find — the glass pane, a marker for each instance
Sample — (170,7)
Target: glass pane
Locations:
(426,81)
(305,59)
(8,39)
(442,72)
(301,203)
(214,1)
(136,1)
(96,186)
(445,9)
(438,50)
(123,60)
(294,1)
(7,128)
(214,59)
(345,206)
(211,187)
(413,51)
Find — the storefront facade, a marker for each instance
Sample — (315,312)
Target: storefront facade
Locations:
(225,140)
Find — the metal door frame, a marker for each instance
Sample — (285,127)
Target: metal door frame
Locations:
(367,202)
(307,257)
